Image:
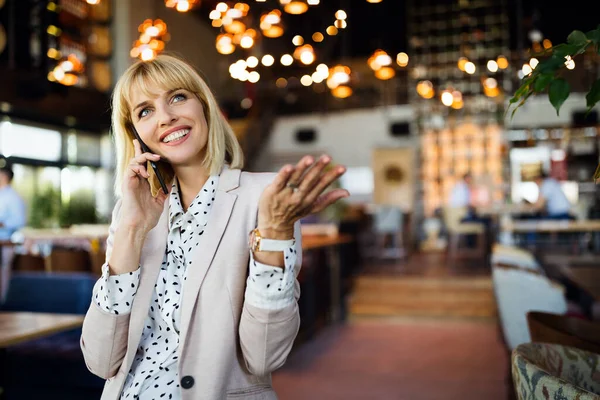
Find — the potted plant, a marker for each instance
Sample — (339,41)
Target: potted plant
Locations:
(547,76)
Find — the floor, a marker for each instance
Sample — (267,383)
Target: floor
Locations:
(412,360)
(402,356)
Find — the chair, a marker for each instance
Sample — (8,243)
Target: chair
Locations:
(564,330)
(388,223)
(519,291)
(458,230)
(514,256)
(550,371)
(51,367)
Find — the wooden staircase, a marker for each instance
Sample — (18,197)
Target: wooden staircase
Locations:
(451,297)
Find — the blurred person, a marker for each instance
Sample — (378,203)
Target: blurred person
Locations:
(552,202)
(12,206)
(199,294)
(462,196)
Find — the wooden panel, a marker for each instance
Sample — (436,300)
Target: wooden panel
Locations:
(394,173)
(18,327)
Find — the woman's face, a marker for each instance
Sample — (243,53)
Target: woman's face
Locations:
(172,124)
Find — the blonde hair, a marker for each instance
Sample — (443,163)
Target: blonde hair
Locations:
(169,72)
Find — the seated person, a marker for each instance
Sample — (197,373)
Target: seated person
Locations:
(462,197)
(552,201)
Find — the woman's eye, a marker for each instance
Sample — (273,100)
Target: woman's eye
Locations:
(143,113)
(178,97)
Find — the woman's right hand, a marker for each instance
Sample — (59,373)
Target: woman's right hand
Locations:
(139,209)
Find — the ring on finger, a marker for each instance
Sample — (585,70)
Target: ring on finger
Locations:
(292,186)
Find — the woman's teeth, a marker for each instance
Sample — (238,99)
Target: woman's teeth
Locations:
(176,135)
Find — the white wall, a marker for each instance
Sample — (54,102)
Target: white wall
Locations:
(348,137)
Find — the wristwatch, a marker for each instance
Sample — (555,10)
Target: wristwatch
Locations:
(259,243)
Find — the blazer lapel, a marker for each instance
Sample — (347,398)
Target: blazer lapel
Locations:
(151,259)
(203,255)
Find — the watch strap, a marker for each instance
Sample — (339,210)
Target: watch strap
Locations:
(275,245)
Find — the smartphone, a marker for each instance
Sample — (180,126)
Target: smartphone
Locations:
(145,149)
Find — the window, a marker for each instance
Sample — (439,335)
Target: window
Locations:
(29,142)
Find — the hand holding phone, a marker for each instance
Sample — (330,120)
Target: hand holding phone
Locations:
(145,149)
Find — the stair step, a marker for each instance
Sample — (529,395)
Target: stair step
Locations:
(422,296)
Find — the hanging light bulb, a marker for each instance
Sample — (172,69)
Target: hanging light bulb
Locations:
(181,5)
(153,35)
(295,7)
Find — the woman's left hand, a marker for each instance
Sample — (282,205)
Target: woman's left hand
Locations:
(296,192)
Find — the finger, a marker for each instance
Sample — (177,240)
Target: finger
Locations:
(137,148)
(282,177)
(144,158)
(327,179)
(328,199)
(312,176)
(140,170)
(300,169)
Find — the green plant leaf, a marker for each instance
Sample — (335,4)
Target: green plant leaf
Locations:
(551,64)
(558,92)
(577,38)
(594,35)
(542,82)
(593,95)
(562,50)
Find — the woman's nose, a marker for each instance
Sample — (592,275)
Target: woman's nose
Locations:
(166,117)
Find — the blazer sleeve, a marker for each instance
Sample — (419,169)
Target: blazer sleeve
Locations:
(104,335)
(267,335)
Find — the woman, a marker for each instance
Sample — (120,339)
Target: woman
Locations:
(198,298)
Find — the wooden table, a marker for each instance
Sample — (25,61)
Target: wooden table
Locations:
(585,278)
(552,226)
(18,327)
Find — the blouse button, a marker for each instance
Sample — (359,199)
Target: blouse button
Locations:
(187,382)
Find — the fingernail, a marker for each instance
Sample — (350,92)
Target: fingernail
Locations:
(325,159)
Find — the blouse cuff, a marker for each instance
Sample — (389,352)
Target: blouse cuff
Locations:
(115,293)
(271,287)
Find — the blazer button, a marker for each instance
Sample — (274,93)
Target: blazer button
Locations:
(187,382)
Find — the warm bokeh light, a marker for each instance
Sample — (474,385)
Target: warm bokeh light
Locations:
(298,40)
(533,63)
(181,5)
(461,63)
(402,59)
(570,63)
(331,30)
(341,92)
(492,66)
(287,59)
(385,73)
(295,7)
(447,98)
(317,37)
(502,62)
(267,60)
(470,68)
(341,14)
(306,80)
(526,69)
(251,62)
(547,44)
(425,89)
(281,83)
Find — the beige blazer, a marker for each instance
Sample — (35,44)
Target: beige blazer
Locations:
(228,347)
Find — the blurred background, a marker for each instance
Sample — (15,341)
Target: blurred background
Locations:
(417,286)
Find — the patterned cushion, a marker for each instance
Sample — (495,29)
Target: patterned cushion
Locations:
(549,371)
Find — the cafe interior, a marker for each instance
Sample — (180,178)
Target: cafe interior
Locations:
(407,291)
